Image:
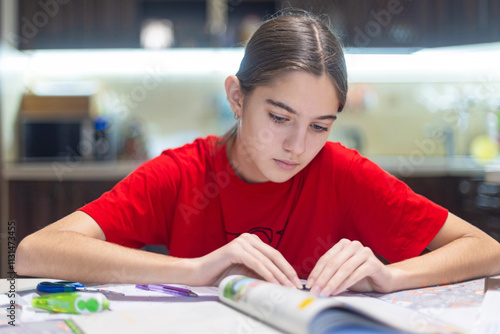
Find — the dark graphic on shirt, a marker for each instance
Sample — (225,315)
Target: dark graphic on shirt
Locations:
(266,234)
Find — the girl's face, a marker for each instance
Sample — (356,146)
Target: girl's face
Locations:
(282,126)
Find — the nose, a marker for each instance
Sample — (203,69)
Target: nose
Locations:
(295,142)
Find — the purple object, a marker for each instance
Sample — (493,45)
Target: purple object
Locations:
(172,290)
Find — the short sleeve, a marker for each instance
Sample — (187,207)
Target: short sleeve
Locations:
(385,214)
(139,209)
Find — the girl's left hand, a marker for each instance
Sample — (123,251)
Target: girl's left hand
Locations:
(349,265)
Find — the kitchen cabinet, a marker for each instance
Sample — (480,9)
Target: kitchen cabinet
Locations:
(80,24)
(411,24)
(54,24)
(72,24)
(469,198)
(481,205)
(443,190)
(35,204)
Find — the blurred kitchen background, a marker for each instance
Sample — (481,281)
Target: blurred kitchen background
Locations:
(92,88)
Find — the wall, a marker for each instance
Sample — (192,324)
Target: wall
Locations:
(399,118)
(430,101)
(406,116)
(174,112)
(11,87)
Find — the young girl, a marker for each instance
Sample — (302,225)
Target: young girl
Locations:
(271,199)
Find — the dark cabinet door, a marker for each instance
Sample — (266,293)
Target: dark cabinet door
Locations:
(441,190)
(80,24)
(73,24)
(408,23)
(62,24)
(465,197)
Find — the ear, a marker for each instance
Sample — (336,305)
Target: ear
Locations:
(234,94)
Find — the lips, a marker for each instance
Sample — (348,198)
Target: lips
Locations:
(286,164)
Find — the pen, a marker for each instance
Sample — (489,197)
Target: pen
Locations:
(172,290)
(183,291)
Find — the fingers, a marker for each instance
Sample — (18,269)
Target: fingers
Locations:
(344,265)
(266,261)
(269,260)
(323,261)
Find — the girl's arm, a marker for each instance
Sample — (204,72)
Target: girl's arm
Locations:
(459,252)
(74,249)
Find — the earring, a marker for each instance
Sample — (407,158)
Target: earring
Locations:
(236,116)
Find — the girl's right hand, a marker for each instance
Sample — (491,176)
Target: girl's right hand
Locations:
(246,255)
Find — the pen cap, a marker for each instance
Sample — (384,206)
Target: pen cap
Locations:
(72,302)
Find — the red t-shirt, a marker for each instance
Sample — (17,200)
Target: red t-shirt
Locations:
(190,200)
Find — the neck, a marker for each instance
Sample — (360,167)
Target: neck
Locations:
(241,161)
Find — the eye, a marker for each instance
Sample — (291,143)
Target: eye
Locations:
(278,119)
(318,128)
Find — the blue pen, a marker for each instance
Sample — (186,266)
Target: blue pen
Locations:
(171,290)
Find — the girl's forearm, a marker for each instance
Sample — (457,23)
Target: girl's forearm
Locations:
(468,257)
(73,256)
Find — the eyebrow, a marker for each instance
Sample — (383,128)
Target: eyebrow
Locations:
(292,111)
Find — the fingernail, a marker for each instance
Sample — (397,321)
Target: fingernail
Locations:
(315,290)
(325,292)
(309,283)
(298,283)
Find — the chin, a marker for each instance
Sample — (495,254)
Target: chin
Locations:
(279,177)
(272,173)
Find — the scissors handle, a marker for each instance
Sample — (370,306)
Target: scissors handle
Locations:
(59,286)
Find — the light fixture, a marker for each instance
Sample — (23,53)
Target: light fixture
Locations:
(157,34)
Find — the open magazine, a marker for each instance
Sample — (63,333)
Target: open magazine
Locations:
(296,311)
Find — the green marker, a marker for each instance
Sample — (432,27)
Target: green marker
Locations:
(72,302)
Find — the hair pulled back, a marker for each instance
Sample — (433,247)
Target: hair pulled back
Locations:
(293,41)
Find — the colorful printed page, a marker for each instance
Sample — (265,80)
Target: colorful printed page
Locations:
(457,303)
(296,311)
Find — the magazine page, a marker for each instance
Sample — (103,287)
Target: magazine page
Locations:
(398,317)
(282,307)
(296,311)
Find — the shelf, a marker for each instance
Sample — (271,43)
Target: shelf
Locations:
(471,64)
(68,171)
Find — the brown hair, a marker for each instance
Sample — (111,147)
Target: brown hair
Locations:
(292,41)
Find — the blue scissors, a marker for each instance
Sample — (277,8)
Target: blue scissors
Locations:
(66,286)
